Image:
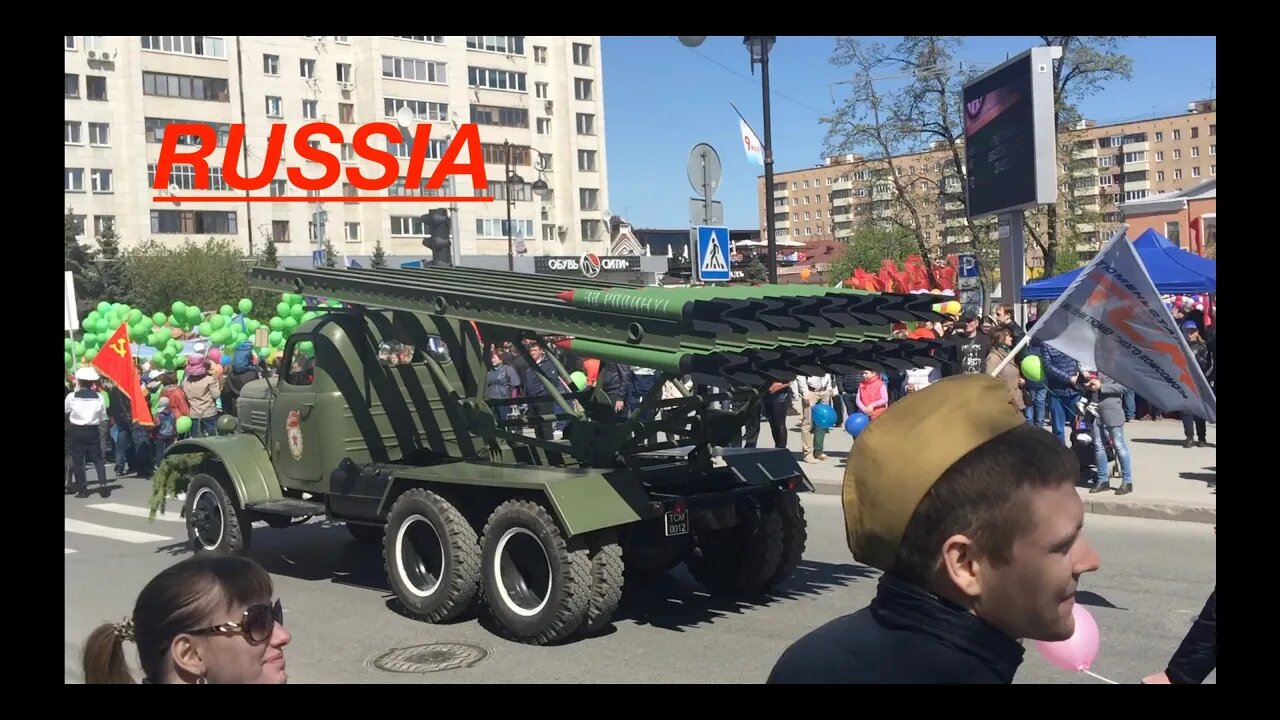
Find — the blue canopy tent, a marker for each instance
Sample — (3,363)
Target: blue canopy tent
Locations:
(1174,271)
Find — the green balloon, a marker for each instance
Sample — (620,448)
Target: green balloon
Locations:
(67,344)
(193,314)
(296,312)
(104,307)
(90,354)
(115,307)
(179,308)
(290,324)
(206,328)
(173,320)
(67,359)
(78,349)
(137,333)
(102,327)
(276,338)
(146,323)
(93,315)
(276,323)
(579,380)
(226,311)
(252,325)
(106,398)
(1032,369)
(308,316)
(217,322)
(307,347)
(89,338)
(135,316)
(159,318)
(184,424)
(282,309)
(219,337)
(246,306)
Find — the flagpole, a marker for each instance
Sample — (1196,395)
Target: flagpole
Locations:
(744,120)
(1013,353)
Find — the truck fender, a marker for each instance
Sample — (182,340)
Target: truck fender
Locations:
(244,458)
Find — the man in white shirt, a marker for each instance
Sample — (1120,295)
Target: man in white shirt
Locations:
(86,412)
(812,390)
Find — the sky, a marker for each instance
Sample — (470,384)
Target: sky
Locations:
(662,98)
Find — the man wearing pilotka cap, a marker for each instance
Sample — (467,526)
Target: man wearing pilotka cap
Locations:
(978,533)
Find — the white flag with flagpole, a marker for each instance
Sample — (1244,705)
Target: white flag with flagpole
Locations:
(1111,318)
(751,143)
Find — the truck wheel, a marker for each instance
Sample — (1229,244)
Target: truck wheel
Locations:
(366,534)
(606,587)
(795,533)
(739,560)
(215,522)
(431,556)
(536,588)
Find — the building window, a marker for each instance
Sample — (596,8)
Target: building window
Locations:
(582,54)
(70,41)
(495,154)
(101,180)
(71,132)
(1195,133)
(479,77)
(342,39)
(346,113)
(1213,149)
(1159,176)
(271,66)
(1177,134)
(422,110)
(505,44)
(348,190)
(433,39)
(1104,161)
(1135,157)
(1159,137)
(307,68)
(540,55)
(276,188)
(500,116)
(548,233)
(197,45)
(588,199)
(96,87)
(1195,151)
(155,131)
(72,85)
(348,153)
(582,89)
(310,109)
(274,107)
(1173,233)
(413,70)
(1213,129)
(77,225)
(1195,171)
(1159,156)
(1177,173)
(591,230)
(103,224)
(435,149)
(351,231)
(184,177)
(587,160)
(586,124)
(1177,154)
(344,72)
(99,134)
(178,222)
(544,126)
(280,231)
(497,228)
(73,180)
(191,87)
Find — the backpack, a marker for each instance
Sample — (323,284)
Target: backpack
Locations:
(167,424)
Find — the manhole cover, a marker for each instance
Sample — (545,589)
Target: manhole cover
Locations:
(430,658)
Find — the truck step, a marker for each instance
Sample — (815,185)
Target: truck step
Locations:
(288,507)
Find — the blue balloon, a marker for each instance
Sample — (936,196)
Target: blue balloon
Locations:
(824,416)
(856,423)
(225,360)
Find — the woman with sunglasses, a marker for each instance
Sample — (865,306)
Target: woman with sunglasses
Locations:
(207,619)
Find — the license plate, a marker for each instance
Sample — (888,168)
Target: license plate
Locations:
(678,523)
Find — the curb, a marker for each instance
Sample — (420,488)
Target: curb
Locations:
(1153,510)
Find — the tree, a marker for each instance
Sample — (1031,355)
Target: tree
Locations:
(754,271)
(379,257)
(267,258)
(330,254)
(1087,63)
(205,275)
(924,116)
(113,281)
(870,246)
(78,259)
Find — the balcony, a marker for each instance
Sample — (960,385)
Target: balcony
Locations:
(843,232)
(1138,185)
(953,205)
(781,221)
(842,185)
(1091,152)
(1087,171)
(1137,166)
(1137,147)
(842,201)
(882,214)
(882,194)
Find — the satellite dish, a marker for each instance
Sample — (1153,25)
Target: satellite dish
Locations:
(692,41)
(405,118)
(173,188)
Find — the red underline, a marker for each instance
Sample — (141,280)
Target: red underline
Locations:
(318,199)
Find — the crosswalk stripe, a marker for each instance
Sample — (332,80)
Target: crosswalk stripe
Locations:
(137,512)
(130,536)
(67,551)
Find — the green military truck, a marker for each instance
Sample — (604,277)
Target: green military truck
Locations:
(378,420)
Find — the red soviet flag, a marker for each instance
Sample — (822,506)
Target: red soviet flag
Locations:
(115,362)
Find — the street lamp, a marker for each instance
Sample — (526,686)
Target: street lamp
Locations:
(759,47)
(511,178)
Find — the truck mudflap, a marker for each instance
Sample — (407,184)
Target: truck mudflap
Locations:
(245,459)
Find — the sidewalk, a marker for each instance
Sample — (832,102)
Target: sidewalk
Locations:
(1170,482)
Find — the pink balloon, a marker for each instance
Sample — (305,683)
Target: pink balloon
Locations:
(215,355)
(1077,652)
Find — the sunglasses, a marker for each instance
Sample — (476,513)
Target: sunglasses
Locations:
(257,624)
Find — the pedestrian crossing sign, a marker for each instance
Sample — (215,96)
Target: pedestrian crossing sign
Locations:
(713,254)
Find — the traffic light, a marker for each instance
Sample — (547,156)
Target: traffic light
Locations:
(439,227)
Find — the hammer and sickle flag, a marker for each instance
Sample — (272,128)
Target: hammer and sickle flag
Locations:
(115,362)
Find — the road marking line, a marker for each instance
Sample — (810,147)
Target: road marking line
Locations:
(67,551)
(130,536)
(137,512)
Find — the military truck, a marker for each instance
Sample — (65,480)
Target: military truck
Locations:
(378,420)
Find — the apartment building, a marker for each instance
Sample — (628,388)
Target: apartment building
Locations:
(1110,164)
(543,94)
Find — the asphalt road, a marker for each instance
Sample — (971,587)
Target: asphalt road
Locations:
(1155,577)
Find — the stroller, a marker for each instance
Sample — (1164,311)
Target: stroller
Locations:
(1080,420)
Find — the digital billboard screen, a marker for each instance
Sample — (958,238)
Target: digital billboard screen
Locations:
(1000,148)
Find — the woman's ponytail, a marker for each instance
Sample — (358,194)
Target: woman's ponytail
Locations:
(104,662)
